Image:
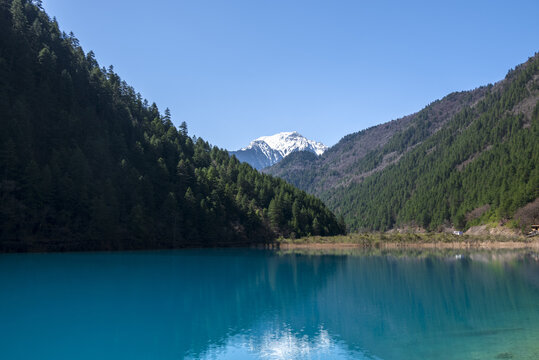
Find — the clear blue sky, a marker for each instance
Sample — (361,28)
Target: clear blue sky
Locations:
(235,70)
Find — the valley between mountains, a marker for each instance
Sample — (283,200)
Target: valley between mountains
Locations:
(87,164)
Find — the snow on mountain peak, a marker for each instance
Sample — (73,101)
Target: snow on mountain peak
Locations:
(289,141)
(268,150)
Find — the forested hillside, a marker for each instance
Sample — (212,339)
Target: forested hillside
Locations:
(87,163)
(358,155)
(469,158)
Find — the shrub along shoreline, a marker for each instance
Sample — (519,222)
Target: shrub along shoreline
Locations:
(412,240)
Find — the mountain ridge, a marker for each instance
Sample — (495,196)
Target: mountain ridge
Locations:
(357,177)
(336,164)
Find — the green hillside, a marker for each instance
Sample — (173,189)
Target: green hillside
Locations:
(469,158)
(87,163)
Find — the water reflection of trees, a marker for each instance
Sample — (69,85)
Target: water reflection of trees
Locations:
(406,300)
(399,296)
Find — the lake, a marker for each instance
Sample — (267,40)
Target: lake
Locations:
(262,304)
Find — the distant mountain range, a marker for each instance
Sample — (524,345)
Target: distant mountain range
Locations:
(468,159)
(269,150)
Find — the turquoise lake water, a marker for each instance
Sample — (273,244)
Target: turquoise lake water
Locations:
(259,304)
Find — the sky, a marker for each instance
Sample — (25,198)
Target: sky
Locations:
(236,70)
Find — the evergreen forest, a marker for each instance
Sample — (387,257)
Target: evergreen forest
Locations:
(87,163)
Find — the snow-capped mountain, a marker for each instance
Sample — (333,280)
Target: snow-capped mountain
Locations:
(268,150)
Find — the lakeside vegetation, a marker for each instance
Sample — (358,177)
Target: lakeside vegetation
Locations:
(376,239)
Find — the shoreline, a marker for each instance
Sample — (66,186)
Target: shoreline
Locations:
(341,242)
(410,241)
(487,245)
